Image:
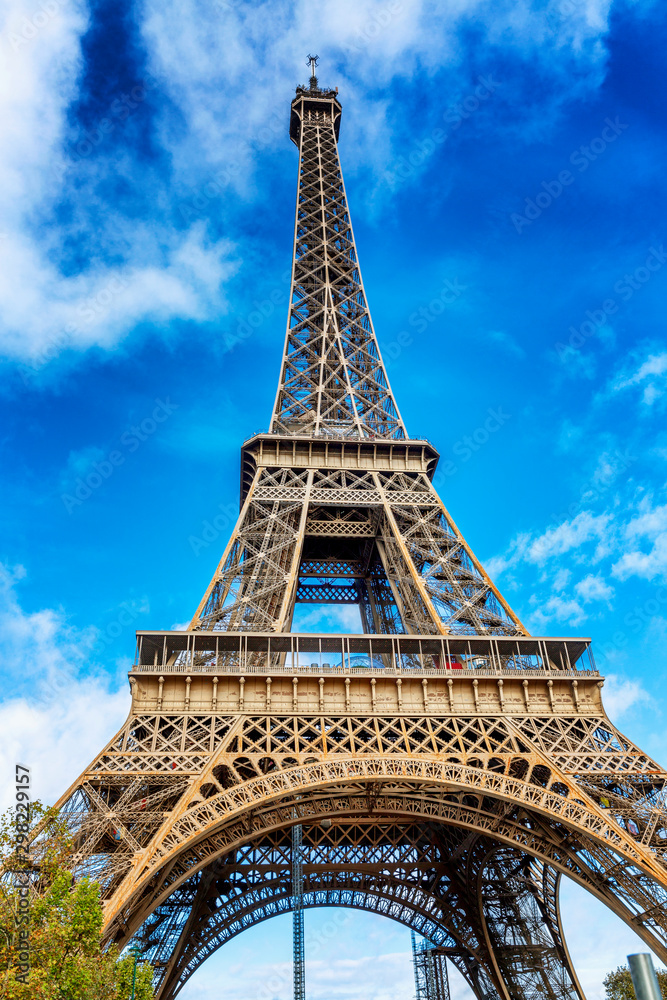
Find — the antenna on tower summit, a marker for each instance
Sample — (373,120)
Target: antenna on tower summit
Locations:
(312,61)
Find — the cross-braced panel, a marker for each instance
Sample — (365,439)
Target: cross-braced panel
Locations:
(253,588)
(260,758)
(470,776)
(430,967)
(415,572)
(444,586)
(518,915)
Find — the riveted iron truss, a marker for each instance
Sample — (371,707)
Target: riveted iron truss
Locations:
(442,767)
(430,967)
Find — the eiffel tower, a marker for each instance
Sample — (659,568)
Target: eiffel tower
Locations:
(446,768)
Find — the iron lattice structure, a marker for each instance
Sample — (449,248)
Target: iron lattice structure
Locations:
(298,949)
(444,767)
(430,967)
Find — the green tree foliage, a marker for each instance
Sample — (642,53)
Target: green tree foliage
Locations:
(62,935)
(618,984)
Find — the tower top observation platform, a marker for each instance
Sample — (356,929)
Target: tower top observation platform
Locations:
(314,101)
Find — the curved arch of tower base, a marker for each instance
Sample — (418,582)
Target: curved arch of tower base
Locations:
(562,790)
(490,826)
(489,909)
(499,796)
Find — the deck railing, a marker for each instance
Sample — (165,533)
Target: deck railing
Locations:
(317,653)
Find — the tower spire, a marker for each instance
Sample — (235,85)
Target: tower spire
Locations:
(312,61)
(333,382)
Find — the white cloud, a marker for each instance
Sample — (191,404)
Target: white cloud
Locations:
(53,718)
(593,588)
(45,313)
(507,342)
(651,522)
(649,527)
(610,465)
(651,374)
(42,652)
(515,554)
(362,45)
(565,611)
(620,695)
(625,540)
(561,579)
(655,364)
(648,565)
(38,78)
(58,740)
(577,557)
(327,618)
(228,70)
(157,274)
(569,535)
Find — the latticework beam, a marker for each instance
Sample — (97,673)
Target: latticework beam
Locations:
(333,381)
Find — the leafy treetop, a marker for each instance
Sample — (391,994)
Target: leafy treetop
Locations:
(618,984)
(56,954)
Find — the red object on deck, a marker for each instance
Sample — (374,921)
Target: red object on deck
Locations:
(449,664)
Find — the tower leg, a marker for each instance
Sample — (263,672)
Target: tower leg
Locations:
(254,586)
(521,919)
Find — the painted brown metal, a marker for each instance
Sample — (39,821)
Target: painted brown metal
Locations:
(446,768)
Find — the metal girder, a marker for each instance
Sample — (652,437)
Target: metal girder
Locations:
(430,967)
(298,948)
(519,903)
(385,869)
(333,384)
(258,760)
(326,592)
(542,819)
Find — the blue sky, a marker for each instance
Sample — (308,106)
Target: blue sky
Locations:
(504,163)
